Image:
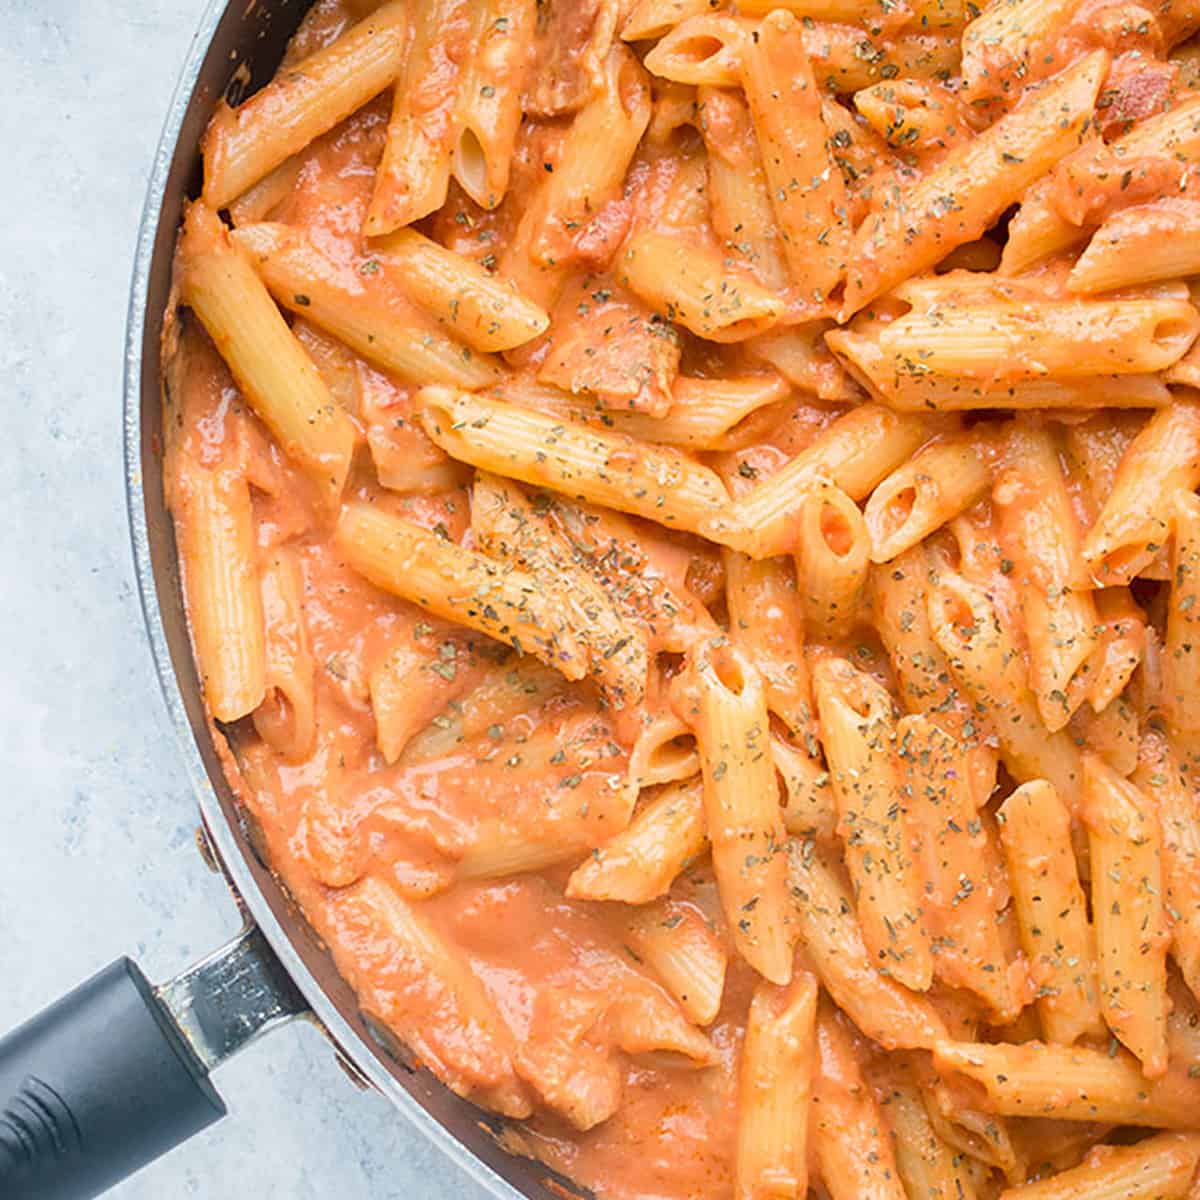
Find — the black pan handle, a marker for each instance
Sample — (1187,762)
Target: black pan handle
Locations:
(116,1072)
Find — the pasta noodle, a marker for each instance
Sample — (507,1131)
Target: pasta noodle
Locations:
(919,497)
(1040,537)
(373,317)
(279,379)
(413,176)
(775,1090)
(1158,778)
(690,286)
(806,189)
(653,482)
(850,1141)
(741,809)
(1051,911)
(858,733)
(1125,841)
(962,891)
(216,533)
(1134,524)
(245,144)
(829,934)
(488,115)
(641,862)
(1072,1083)
(854,453)
(990,172)
(982,656)
(286,719)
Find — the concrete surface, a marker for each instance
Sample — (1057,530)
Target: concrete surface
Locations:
(96,850)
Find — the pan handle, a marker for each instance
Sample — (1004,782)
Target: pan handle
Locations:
(116,1072)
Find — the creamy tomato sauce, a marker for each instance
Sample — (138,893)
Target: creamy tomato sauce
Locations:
(505,776)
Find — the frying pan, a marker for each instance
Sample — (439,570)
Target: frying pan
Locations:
(118,1071)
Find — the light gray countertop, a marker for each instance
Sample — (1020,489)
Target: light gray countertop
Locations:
(97,857)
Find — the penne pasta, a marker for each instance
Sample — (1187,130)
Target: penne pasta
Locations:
(962,889)
(1051,912)
(1039,230)
(926,1164)
(799,354)
(1111,733)
(850,1142)
(483,310)
(829,934)
(691,285)
(832,560)
(990,172)
(913,389)
(1133,525)
(245,144)
(654,482)
(665,752)
(488,112)
(921,495)
(984,659)
(414,174)
(1141,245)
(501,852)
(775,1090)
(1157,1168)
(705,414)
(410,685)
(1073,1083)
(900,614)
(703,50)
(1159,779)
(270,366)
(459,585)
(1125,843)
(761,596)
(215,529)
(286,718)
(984,1141)
(640,863)
(1181,650)
(1094,448)
(809,809)
(367,308)
(853,453)
(1040,537)
(858,732)
(741,806)
(963,339)
(806,189)
(507,527)
(738,193)
(260,201)
(678,946)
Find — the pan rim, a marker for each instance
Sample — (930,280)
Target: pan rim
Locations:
(245,888)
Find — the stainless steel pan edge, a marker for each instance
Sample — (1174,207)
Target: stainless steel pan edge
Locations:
(233,38)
